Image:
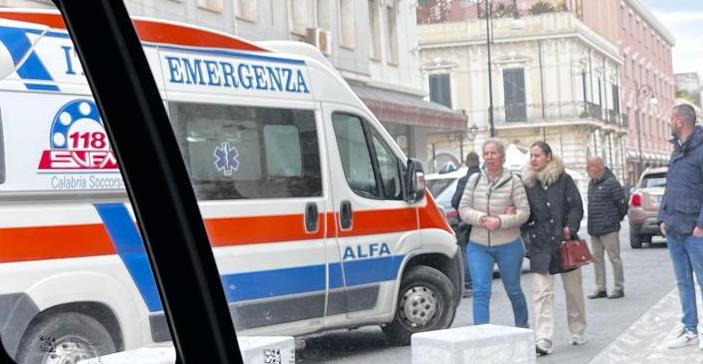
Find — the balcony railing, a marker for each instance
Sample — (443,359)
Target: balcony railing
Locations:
(550,112)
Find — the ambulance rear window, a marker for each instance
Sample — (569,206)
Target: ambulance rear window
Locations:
(241,152)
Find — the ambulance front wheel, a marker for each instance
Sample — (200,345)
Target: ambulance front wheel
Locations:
(426,301)
(62,338)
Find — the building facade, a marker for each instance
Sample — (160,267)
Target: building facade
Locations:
(373,44)
(553,79)
(646,74)
(645,65)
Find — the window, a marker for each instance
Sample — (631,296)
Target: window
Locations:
(388,170)
(630,24)
(440,89)
(236,152)
(346,23)
(391,32)
(375,32)
(355,156)
(324,14)
(246,9)
(300,16)
(372,170)
(212,5)
(623,16)
(514,90)
(633,69)
(616,99)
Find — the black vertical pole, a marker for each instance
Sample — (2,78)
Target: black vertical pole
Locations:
(490,75)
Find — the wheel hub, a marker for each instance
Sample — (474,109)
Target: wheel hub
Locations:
(70,350)
(419,305)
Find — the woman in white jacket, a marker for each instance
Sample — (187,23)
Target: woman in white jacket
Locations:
(495,234)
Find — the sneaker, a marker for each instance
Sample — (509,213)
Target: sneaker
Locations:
(577,339)
(618,293)
(597,294)
(543,346)
(467,293)
(684,338)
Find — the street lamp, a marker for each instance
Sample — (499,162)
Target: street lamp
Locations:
(646,91)
(517,24)
(461,137)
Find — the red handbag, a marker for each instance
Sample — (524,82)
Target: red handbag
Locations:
(574,253)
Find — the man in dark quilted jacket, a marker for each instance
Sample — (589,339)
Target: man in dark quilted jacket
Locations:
(607,206)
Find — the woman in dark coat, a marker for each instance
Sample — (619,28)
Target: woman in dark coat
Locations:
(557,211)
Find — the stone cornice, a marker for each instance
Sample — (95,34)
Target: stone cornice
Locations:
(652,20)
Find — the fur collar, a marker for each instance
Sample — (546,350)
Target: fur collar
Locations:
(547,176)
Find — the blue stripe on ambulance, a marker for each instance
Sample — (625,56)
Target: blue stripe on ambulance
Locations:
(240,286)
(130,248)
(17,43)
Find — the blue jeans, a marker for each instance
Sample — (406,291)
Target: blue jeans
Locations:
(687,257)
(509,258)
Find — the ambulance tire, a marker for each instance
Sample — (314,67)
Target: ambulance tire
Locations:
(422,285)
(68,335)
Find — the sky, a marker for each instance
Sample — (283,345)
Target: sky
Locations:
(684,19)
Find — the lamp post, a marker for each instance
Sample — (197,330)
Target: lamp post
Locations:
(641,90)
(517,25)
(490,73)
(461,137)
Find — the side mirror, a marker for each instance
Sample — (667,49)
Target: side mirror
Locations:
(415,181)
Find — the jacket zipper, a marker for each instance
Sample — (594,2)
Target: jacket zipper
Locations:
(491,187)
(488,210)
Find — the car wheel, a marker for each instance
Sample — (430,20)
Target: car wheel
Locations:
(426,301)
(63,338)
(646,238)
(635,241)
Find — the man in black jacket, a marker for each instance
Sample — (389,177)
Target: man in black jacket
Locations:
(607,206)
(465,229)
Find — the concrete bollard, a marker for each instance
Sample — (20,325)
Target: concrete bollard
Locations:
(475,344)
(255,349)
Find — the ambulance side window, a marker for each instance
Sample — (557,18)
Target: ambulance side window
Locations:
(389,169)
(355,155)
(371,168)
(243,152)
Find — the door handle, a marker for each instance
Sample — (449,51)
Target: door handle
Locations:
(345,214)
(311,217)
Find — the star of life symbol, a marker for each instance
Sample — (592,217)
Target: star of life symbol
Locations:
(226,159)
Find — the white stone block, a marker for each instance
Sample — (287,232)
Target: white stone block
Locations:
(489,344)
(254,349)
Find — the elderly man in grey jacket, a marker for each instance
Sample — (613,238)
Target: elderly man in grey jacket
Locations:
(607,206)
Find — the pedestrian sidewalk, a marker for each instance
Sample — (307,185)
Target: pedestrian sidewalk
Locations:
(645,340)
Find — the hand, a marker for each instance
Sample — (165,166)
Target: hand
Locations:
(698,232)
(662,227)
(510,210)
(566,233)
(491,223)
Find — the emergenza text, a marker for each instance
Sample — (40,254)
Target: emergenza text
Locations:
(249,76)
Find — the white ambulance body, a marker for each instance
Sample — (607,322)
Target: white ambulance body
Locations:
(302,192)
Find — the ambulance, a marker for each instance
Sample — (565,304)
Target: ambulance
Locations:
(316,218)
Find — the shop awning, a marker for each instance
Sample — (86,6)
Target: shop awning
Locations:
(403,108)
